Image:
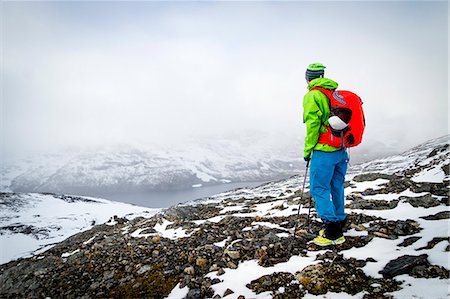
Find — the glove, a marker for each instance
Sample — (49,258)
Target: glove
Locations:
(307,159)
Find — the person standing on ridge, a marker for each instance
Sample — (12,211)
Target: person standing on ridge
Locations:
(328,164)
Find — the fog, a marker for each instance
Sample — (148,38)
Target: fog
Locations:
(100,73)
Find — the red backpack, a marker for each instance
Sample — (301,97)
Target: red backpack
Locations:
(347,106)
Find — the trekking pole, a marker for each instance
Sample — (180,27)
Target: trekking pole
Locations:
(301,198)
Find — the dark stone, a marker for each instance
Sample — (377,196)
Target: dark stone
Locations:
(271,282)
(404,265)
(336,276)
(215,281)
(446,169)
(373,204)
(393,229)
(194,294)
(439,189)
(409,241)
(426,201)
(438,216)
(434,242)
(227,292)
(372,177)
(430,271)
(438,150)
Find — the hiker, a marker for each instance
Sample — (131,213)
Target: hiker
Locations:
(328,164)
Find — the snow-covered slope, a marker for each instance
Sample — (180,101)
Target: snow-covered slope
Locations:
(31,223)
(156,168)
(240,244)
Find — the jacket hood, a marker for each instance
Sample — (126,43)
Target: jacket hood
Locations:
(323,82)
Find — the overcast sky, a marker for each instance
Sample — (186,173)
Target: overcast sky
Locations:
(90,73)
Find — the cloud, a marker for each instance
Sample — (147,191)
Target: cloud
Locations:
(100,73)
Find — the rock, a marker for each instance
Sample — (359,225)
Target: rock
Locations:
(189,270)
(332,277)
(438,216)
(201,262)
(217,296)
(213,268)
(215,281)
(439,189)
(446,169)
(233,254)
(221,271)
(110,275)
(144,269)
(368,177)
(271,237)
(392,229)
(430,271)
(409,241)
(156,239)
(426,201)
(271,282)
(373,204)
(434,242)
(194,294)
(227,292)
(231,265)
(404,265)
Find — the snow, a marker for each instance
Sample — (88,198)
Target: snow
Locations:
(236,279)
(197,185)
(54,219)
(421,288)
(67,254)
(161,230)
(433,175)
(362,186)
(335,296)
(178,292)
(89,241)
(222,243)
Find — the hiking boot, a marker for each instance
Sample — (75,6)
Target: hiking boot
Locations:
(330,235)
(323,241)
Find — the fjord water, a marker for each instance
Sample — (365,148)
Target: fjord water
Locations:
(165,199)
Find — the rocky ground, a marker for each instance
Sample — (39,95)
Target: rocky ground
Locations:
(242,245)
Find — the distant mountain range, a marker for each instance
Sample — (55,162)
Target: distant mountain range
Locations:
(149,169)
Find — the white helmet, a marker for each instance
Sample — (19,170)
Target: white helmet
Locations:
(336,123)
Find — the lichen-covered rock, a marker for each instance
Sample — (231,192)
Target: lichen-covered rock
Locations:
(368,177)
(332,277)
(392,229)
(373,204)
(337,274)
(271,282)
(409,241)
(438,216)
(426,201)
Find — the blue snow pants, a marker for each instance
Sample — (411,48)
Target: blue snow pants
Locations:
(327,177)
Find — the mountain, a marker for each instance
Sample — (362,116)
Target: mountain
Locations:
(153,168)
(241,244)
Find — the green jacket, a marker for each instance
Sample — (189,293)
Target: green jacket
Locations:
(316,112)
